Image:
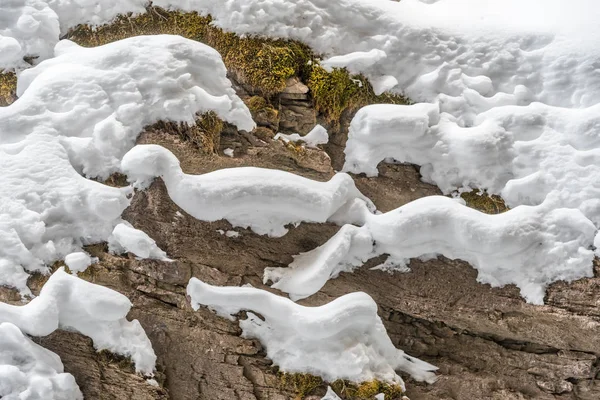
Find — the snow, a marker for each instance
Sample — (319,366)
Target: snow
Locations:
(330,395)
(228,152)
(27,28)
(71,303)
(125,238)
(48,210)
(318,135)
(344,339)
(79,261)
(528,246)
(263,200)
(28,371)
(97,100)
(356,62)
(78,113)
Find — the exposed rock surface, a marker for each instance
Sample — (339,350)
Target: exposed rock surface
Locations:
(488,343)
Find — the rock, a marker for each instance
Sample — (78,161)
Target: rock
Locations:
(295,90)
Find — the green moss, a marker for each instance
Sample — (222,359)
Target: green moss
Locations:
(205,133)
(304,385)
(337,91)
(301,384)
(489,204)
(265,64)
(8,88)
(123,363)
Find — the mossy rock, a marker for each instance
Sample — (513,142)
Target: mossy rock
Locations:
(260,63)
(263,113)
(8,88)
(205,133)
(337,91)
(303,385)
(482,201)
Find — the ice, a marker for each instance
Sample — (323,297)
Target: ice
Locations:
(125,238)
(344,339)
(71,303)
(264,200)
(28,371)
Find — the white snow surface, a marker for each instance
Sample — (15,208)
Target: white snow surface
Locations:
(330,395)
(264,200)
(344,339)
(78,113)
(97,100)
(528,246)
(48,210)
(70,303)
(318,135)
(79,261)
(125,238)
(28,371)
(27,28)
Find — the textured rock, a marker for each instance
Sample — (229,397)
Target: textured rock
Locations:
(488,343)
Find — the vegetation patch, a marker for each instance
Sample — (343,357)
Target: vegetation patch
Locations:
(8,88)
(484,202)
(205,133)
(304,385)
(262,63)
(337,91)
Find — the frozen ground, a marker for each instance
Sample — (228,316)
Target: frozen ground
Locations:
(509,101)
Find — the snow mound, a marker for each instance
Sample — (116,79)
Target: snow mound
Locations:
(28,28)
(48,210)
(97,100)
(344,339)
(28,371)
(308,273)
(330,395)
(264,200)
(79,261)
(529,155)
(530,247)
(125,238)
(318,135)
(71,303)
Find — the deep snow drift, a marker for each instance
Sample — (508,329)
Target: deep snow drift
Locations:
(80,112)
(28,371)
(97,100)
(264,200)
(100,313)
(530,247)
(344,339)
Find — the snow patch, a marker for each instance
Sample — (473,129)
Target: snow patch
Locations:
(68,302)
(263,200)
(318,135)
(530,247)
(28,371)
(344,339)
(79,261)
(125,238)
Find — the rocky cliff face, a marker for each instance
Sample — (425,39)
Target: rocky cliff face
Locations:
(488,343)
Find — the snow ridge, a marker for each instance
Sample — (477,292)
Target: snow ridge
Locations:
(68,302)
(530,247)
(262,199)
(28,371)
(344,339)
